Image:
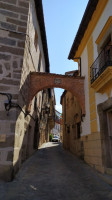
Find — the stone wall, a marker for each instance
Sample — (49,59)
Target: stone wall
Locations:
(93,151)
(27,129)
(18,56)
(13,23)
(24,125)
(71,116)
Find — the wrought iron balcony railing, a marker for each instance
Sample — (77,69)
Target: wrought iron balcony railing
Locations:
(101,63)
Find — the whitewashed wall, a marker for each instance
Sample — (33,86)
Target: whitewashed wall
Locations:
(84,61)
(86,121)
(35,54)
(100,98)
(35,25)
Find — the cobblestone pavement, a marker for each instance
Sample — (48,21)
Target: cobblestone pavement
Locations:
(55,174)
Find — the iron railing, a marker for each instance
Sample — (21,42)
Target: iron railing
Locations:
(101,63)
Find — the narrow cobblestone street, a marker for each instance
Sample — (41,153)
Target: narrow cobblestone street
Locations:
(55,174)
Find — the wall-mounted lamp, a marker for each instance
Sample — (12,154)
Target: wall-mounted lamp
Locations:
(8,101)
(8,104)
(46,108)
(82,117)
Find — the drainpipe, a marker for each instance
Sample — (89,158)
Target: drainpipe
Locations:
(65,109)
(79,58)
(64,136)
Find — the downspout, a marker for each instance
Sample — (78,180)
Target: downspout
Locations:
(65,110)
(79,58)
(64,135)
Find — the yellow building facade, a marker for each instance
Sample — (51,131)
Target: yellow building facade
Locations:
(92,49)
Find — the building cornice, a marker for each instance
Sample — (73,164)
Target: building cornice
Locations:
(40,17)
(90,18)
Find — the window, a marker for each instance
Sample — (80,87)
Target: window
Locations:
(36,40)
(78,130)
(108,51)
(39,63)
(68,129)
(103,60)
(35,104)
(109,123)
(39,100)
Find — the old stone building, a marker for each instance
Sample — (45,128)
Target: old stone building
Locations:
(71,122)
(57,128)
(92,49)
(23,49)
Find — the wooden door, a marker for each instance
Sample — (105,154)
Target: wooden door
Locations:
(109,135)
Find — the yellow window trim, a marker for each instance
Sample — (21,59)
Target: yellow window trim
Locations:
(99,9)
(104,30)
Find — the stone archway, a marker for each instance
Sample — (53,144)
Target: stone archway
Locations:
(40,81)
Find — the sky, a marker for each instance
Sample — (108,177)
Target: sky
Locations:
(62,20)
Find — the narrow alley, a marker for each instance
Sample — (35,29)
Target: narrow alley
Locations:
(55,174)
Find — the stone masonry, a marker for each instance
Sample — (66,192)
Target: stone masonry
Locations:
(13,25)
(18,56)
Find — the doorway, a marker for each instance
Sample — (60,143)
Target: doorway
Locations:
(36,135)
(105,118)
(109,135)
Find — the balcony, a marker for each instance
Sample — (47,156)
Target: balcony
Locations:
(101,69)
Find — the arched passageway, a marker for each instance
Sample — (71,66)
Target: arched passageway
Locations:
(40,81)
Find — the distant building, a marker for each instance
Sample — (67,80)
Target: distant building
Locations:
(57,128)
(71,123)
